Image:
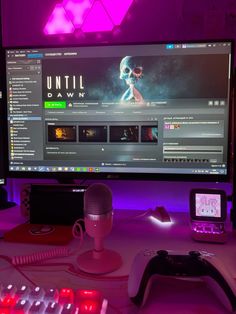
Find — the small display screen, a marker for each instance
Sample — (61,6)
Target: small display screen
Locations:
(208,205)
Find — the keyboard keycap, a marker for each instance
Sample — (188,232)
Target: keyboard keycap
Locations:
(53,308)
(9,291)
(87,294)
(23,292)
(21,307)
(7,304)
(37,294)
(66,296)
(51,295)
(37,307)
(37,300)
(90,307)
(68,309)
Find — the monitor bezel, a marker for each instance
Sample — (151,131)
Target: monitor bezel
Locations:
(118,175)
(3,127)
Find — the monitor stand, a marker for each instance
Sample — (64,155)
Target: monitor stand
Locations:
(4,203)
(66,181)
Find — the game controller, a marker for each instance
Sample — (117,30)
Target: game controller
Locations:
(194,264)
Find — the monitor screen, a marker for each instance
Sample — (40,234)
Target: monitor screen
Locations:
(120,111)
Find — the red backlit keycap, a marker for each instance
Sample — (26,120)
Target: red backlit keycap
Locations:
(8,291)
(90,307)
(88,294)
(91,300)
(66,296)
(7,304)
(4,310)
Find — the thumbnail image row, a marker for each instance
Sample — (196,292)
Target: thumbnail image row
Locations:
(95,134)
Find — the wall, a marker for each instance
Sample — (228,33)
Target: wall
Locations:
(138,194)
(147,20)
(152,20)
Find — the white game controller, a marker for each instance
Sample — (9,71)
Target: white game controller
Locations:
(174,264)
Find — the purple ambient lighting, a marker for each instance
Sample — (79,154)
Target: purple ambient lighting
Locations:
(117,9)
(59,22)
(77,10)
(93,24)
(88,15)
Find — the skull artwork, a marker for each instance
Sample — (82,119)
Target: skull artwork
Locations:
(131,71)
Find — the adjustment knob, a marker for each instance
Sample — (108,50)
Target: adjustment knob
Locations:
(162,253)
(194,254)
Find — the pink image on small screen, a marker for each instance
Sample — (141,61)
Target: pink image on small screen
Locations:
(208,205)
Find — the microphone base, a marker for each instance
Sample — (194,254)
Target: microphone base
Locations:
(107,262)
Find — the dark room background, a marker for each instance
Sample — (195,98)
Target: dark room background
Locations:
(23,23)
(145,21)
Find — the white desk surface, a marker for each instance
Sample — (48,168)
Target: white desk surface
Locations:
(129,236)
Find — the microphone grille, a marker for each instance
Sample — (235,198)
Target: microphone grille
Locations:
(97,199)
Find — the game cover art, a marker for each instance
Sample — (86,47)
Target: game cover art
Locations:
(134,79)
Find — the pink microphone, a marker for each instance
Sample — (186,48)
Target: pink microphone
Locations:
(98,217)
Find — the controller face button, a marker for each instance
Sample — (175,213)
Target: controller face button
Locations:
(194,254)
(162,253)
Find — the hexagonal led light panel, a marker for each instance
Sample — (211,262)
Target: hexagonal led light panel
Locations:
(59,22)
(77,10)
(87,15)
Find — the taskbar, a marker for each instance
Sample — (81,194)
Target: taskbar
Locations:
(49,169)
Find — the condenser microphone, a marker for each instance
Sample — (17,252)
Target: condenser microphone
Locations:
(98,211)
(98,218)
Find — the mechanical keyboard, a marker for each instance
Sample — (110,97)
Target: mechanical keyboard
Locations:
(37,300)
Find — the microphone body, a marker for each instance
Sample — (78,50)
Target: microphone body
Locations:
(98,229)
(98,217)
(98,210)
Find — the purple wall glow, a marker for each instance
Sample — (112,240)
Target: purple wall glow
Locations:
(163,20)
(141,195)
(86,15)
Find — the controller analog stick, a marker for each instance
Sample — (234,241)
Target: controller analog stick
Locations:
(194,254)
(162,253)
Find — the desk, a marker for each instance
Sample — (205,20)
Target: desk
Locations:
(131,233)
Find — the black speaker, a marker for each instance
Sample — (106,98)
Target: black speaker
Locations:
(56,204)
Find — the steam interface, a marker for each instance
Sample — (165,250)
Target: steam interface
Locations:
(141,108)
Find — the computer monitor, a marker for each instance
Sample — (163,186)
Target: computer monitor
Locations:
(136,111)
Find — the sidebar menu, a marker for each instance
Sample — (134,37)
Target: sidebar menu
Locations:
(24,85)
